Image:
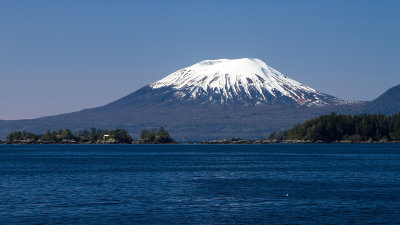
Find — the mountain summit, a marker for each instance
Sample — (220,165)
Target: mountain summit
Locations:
(246,80)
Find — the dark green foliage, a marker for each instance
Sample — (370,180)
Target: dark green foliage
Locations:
(278,136)
(50,136)
(155,136)
(146,135)
(94,134)
(272,136)
(121,135)
(334,127)
(67,136)
(22,136)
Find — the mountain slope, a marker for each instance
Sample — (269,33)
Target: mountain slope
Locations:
(388,103)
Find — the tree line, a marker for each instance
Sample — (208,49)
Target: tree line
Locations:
(160,136)
(350,128)
(92,136)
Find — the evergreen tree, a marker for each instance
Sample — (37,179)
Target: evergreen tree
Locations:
(121,135)
(155,136)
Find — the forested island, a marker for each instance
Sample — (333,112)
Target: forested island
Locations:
(92,136)
(343,128)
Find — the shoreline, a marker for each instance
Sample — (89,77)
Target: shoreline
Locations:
(213,142)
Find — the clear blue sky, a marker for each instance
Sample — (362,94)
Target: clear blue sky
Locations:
(63,56)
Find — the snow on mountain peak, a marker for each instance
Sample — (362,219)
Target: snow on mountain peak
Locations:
(244,80)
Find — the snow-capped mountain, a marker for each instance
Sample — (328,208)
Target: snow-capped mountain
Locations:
(213,99)
(246,80)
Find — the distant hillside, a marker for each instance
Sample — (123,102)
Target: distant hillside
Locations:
(388,103)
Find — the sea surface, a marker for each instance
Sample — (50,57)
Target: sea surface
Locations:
(200,184)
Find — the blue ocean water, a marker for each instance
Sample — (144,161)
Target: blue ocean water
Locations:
(200,184)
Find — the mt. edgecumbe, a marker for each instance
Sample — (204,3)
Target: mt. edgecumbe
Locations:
(212,99)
